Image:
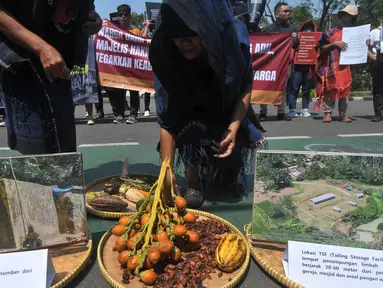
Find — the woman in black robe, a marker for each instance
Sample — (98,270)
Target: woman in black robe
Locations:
(201,59)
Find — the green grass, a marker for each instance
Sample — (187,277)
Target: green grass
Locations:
(265,206)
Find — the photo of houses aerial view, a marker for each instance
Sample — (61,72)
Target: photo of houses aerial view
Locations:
(329,198)
(42,201)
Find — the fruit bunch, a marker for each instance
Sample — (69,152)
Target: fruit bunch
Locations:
(156,234)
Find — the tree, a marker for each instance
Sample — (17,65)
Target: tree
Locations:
(370,11)
(137,20)
(327,8)
(380,227)
(302,13)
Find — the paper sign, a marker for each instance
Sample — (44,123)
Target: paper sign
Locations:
(357,50)
(32,269)
(318,266)
(307,54)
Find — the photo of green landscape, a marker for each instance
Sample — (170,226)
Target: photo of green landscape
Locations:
(330,198)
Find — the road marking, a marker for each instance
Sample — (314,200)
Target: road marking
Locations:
(288,137)
(109,144)
(360,135)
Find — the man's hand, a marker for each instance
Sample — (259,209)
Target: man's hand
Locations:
(166,192)
(228,144)
(93,25)
(342,45)
(53,63)
(295,35)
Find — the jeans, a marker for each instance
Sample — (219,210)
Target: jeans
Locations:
(299,78)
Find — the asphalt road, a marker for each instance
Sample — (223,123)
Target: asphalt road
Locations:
(146,130)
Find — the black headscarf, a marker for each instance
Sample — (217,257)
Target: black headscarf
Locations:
(224,39)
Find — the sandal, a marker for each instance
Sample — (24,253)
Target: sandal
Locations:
(327,118)
(344,118)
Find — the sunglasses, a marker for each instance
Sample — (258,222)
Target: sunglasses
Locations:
(123,15)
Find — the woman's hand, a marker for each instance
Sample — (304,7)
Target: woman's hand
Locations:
(341,45)
(53,63)
(93,25)
(228,143)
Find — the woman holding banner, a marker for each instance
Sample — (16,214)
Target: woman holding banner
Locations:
(203,85)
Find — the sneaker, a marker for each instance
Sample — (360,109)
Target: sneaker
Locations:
(262,117)
(194,198)
(305,113)
(147,113)
(100,115)
(292,114)
(86,114)
(90,122)
(283,117)
(119,120)
(131,120)
(2,124)
(376,118)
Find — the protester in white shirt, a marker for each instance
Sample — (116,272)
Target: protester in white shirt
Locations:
(376,72)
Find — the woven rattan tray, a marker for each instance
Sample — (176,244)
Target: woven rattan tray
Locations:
(110,268)
(98,186)
(69,261)
(269,256)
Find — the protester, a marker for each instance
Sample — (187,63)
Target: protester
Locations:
(124,13)
(201,59)
(281,25)
(334,80)
(39,51)
(374,53)
(301,77)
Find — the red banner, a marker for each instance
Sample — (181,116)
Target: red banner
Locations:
(271,58)
(307,54)
(122,59)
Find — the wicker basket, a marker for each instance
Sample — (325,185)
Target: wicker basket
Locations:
(269,257)
(236,277)
(69,262)
(97,186)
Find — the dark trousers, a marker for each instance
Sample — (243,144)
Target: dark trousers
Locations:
(117,99)
(299,78)
(377,87)
(147,101)
(134,103)
(2,112)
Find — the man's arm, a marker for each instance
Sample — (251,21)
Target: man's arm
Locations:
(51,60)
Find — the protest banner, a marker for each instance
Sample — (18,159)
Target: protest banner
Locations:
(307,53)
(152,10)
(122,59)
(270,57)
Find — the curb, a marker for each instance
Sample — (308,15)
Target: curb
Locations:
(350,99)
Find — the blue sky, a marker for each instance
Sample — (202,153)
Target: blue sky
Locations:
(104,7)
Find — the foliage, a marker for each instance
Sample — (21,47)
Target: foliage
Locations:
(367,213)
(362,82)
(283,210)
(380,227)
(277,212)
(367,170)
(7,240)
(370,11)
(271,170)
(137,20)
(63,170)
(64,207)
(326,9)
(302,13)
